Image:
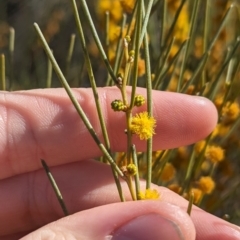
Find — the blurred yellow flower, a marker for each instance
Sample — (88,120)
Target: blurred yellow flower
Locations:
(143,125)
(149,194)
(127,5)
(220,130)
(206,184)
(230,112)
(132,169)
(214,154)
(141,67)
(168,172)
(182,153)
(175,188)
(197,195)
(112,6)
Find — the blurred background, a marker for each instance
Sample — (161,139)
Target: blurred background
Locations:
(29,66)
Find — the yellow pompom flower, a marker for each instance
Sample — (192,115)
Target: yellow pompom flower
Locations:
(141,67)
(197,195)
(127,5)
(149,194)
(218,101)
(112,6)
(168,172)
(175,188)
(143,125)
(132,169)
(206,184)
(182,153)
(214,154)
(113,32)
(230,112)
(220,130)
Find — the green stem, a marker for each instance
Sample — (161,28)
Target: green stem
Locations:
(49,74)
(107,30)
(189,172)
(205,37)
(2,73)
(70,53)
(159,81)
(119,46)
(97,41)
(162,60)
(136,49)
(136,176)
(55,188)
(196,73)
(215,84)
(95,93)
(11,53)
(91,75)
(149,108)
(146,19)
(75,102)
(131,188)
(189,42)
(190,203)
(174,22)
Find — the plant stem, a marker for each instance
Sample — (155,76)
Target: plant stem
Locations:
(55,188)
(2,73)
(75,102)
(70,53)
(97,41)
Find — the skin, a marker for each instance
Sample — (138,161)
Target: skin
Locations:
(43,124)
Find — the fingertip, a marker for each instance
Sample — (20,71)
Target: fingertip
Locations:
(211,227)
(207,113)
(182,119)
(130,220)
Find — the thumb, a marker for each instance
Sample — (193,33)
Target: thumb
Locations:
(139,220)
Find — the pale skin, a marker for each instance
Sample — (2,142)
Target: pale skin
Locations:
(43,124)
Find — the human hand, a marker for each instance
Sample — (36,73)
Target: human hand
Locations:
(43,124)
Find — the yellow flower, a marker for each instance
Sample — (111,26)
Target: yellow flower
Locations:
(220,130)
(168,172)
(132,169)
(214,154)
(141,67)
(173,5)
(182,25)
(143,125)
(112,6)
(206,184)
(182,153)
(149,194)
(197,194)
(218,101)
(175,188)
(113,32)
(230,112)
(206,166)
(127,5)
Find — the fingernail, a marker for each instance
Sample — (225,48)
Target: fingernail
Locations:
(151,226)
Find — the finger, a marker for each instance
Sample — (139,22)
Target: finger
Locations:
(43,124)
(28,201)
(131,220)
